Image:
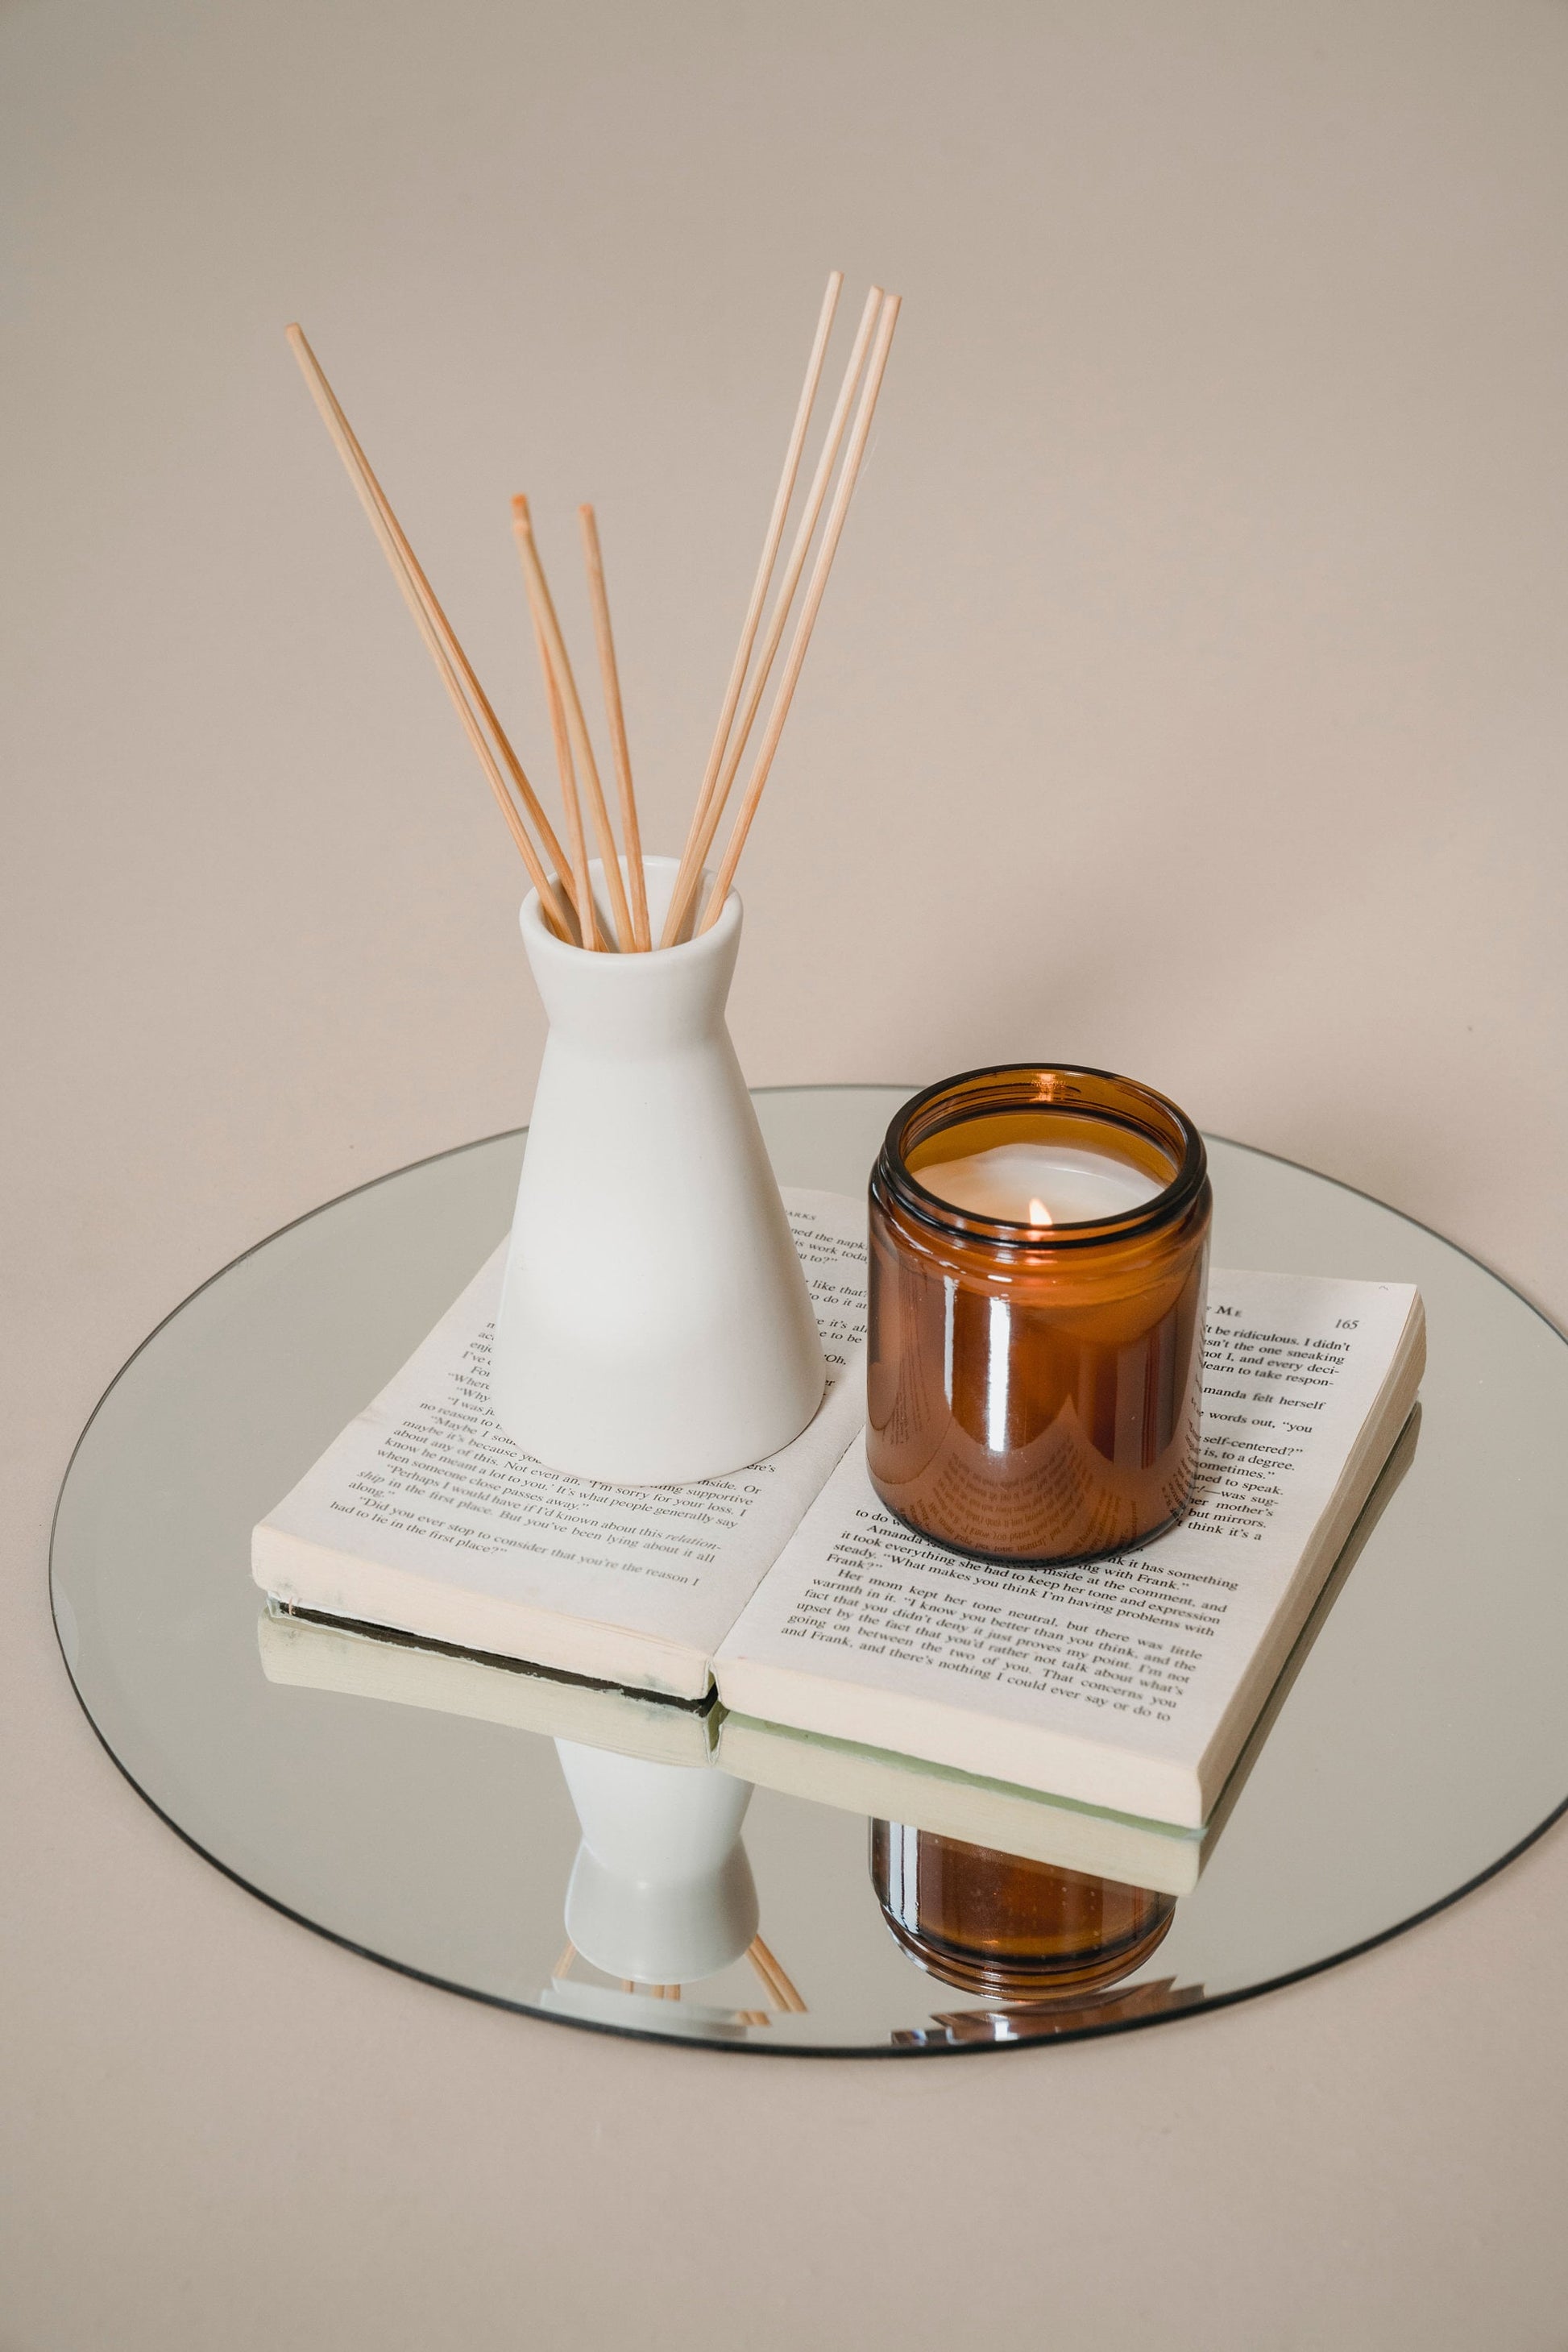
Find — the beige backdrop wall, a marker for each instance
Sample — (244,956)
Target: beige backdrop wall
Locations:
(1191,698)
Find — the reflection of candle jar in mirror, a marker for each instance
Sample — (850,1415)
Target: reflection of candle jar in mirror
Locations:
(997,1923)
(1038,1249)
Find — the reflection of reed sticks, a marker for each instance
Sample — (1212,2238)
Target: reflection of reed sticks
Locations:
(774,1982)
(493,749)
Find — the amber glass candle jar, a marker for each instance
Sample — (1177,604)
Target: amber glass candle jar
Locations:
(996,1924)
(1039,1242)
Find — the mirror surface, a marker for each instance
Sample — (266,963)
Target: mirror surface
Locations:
(1417,1739)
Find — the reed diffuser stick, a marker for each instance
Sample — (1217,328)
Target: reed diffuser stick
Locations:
(775,1981)
(771,540)
(808,621)
(452,664)
(589,933)
(705,825)
(581,747)
(610,678)
(582,889)
(764,1975)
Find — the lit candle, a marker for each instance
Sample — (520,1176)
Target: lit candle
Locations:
(1041,1184)
(1040,1168)
(1039,1241)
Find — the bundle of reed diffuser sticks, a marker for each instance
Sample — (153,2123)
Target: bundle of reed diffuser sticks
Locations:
(561,876)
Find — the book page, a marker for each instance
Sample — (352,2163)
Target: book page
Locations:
(425,1485)
(1140,1652)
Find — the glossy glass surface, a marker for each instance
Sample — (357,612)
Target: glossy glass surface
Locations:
(1418,1738)
(1034,1389)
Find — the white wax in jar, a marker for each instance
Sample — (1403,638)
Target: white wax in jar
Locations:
(1040,1184)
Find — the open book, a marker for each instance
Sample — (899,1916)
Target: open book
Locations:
(1128,1684)
(364,1662)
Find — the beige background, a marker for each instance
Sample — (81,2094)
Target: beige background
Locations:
(1191,698)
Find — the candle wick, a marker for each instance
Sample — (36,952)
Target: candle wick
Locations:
(1039,1214)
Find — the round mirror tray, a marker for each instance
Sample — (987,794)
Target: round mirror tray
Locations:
(1416,1740)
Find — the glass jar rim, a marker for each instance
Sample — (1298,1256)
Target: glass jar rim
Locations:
(1074,1087)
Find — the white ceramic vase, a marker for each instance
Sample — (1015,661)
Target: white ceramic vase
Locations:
(661,1891)
(655,1325)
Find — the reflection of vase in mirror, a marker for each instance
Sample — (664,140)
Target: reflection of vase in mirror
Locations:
(661,1892)
(995,1924)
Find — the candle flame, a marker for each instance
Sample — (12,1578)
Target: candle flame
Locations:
(1039,1214)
